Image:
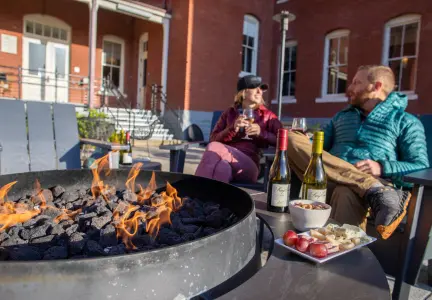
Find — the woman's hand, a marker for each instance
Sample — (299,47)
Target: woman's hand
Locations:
(240,122)
(253,129)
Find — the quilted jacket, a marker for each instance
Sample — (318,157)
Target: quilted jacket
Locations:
(388,135)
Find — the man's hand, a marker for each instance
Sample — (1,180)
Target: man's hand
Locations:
(253,129)
(369,167)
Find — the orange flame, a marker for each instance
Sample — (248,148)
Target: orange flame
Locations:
(146,193)
(67,214)
(133,173)
(13,213)
(97,166)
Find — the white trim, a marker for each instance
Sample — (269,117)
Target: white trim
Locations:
(285,100)
(332,98)
(255,22)
(50,21)
(399,21)
(165,50)
(117,40)
(324,84)
(281,1)
(410,94)
(143,38)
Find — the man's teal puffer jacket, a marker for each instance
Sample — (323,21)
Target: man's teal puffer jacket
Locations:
(388,135)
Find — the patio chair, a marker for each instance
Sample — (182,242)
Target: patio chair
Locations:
(40,136)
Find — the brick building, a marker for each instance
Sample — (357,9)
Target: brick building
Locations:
(197,49)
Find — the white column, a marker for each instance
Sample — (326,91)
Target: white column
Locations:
(166,31)
(93,5)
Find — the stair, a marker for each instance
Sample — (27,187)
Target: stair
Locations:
(141,127)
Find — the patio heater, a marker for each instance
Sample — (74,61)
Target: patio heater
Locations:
(283,18)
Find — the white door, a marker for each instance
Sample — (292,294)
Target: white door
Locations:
(57,72)
(33,73)
(45,70)
(142,70)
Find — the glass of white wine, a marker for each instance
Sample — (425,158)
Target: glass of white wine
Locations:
(249,116)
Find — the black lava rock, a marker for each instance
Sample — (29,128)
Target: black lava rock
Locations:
(72,229)
(24,253)
(57,229)
(115,250)
(108,236)
(77,242)
(4,236)
(39,231)
(69,197)
(56,252)
(92,248)
(51,212)
(57,191)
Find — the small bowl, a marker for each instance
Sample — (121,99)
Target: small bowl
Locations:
(306,219)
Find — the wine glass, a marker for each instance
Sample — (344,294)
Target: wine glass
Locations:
(249,116)
(299,124)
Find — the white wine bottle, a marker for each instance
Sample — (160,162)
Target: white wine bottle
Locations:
(314,185)
(279,185)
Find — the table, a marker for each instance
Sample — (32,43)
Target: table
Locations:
(417,241)
(357,275)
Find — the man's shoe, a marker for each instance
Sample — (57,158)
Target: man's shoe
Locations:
(388,207)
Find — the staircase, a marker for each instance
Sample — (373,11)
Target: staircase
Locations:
(142,124)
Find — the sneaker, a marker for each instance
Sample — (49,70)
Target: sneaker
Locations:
(389,207)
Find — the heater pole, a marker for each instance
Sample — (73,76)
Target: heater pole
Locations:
(283,30)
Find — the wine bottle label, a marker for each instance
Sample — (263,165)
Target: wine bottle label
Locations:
(280,195)
(127,158)
(317,195)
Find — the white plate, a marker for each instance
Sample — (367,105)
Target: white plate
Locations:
(324,259)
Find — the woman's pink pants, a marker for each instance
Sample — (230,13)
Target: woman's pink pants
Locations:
(225,163)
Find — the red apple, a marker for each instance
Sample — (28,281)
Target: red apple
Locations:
(290,238)
(302,244)
(318,250)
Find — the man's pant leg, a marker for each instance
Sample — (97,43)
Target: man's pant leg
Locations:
(348,207)
(338,170)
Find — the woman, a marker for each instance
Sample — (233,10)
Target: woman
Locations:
(230,156)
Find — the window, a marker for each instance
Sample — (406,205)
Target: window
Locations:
(335,68)
(113,60)
(401,39)
(47,31)
(249,46)
(289,77)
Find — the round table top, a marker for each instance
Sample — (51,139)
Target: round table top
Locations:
(355,275)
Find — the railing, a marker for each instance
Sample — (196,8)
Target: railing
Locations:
(28,84)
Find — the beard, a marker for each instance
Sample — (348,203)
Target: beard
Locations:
(358,99)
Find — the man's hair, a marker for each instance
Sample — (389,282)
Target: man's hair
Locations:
(382,74)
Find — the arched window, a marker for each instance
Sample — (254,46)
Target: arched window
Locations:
(113,60)
(47,27)
(250,45)
(335,68)
(401,40)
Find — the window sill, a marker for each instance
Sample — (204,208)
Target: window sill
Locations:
(410,94)
(281,1)
(285,100)
(332,98)
(243,73)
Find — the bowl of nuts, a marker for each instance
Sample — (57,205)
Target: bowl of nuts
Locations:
(308,214)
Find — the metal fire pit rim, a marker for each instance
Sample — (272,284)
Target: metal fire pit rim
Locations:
(131,255)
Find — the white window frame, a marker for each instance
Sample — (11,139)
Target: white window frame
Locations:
(399,21)
(324,96)
(281,1)
(286,99)
(251,20)
(117,40)
(50,21)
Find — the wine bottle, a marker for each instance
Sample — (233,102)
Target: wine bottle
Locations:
(279,185)
(127,154)
(314,185)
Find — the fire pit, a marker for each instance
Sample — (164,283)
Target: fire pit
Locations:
(171,237)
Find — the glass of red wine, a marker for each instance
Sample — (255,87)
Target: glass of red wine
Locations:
(299,124)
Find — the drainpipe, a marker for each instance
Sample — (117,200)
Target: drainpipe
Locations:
(166,31)
(93,5)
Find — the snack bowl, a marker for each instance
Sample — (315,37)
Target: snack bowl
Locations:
(305,219)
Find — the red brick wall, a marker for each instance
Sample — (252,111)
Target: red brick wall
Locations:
(365,20)
(215,51)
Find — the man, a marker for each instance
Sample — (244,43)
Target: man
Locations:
(371,144)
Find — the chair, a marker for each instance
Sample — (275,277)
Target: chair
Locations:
(40,136)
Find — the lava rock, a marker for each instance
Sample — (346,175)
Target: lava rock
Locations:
(108,236)
(77,204)
(184,214)
(12,241)
(199,233)
(82,192)
(44,242)
(122,207)
(209,230)
(214,220)
(56,252)
(129,196)
(4,253)
(36,221)
(57,191)
(14,231)
(99,207)
(51,212)
(141,241)
(92,248)
(115,250)
(25,234)
(39,231)
(57,229)
(43,195)
(77,242)
(4,236)
(72,229)
(83,218)
(69,197)
(24,253)
(197,220)
(210,207)
(66,223)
